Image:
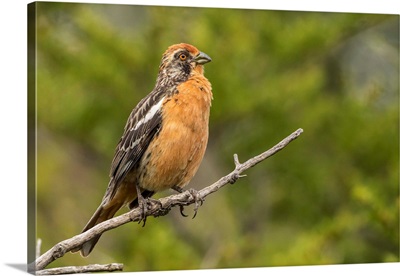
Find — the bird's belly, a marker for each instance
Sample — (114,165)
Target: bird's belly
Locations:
(174,156)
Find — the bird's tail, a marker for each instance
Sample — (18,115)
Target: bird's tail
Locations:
(105,211)
(99,216)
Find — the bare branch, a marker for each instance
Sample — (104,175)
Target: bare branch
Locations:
(155,210)
(81,269)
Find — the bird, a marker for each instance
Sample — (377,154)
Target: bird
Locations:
(164,139)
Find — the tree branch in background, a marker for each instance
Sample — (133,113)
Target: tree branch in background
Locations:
(155,210)
(81,269)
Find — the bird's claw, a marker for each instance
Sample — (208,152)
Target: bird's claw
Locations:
(181,209)
(143,211)
(145,204)
(196,196)
(198,200)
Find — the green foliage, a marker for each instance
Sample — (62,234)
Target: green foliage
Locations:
(330,197)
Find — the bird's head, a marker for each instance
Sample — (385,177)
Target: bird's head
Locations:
(180,61)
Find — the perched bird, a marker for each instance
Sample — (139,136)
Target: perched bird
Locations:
(165,137)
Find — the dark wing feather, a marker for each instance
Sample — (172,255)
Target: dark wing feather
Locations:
(138,133)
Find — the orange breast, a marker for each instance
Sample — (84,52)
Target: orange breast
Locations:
(175,154)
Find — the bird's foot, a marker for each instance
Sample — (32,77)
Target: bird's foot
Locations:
(145,205)
(198,200)
(142,204)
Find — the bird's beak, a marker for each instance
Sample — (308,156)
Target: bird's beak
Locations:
(202,58)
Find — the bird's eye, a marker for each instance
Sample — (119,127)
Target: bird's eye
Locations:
(183,57)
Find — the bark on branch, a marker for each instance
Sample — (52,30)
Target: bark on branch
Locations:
(81,269)
(155,210)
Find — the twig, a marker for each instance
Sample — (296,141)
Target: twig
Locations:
(155,210)
(81,269)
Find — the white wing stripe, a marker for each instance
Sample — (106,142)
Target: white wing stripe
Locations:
(150,114)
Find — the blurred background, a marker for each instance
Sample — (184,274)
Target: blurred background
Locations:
(330,197)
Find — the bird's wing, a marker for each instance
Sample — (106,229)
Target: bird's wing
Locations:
(143,123)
